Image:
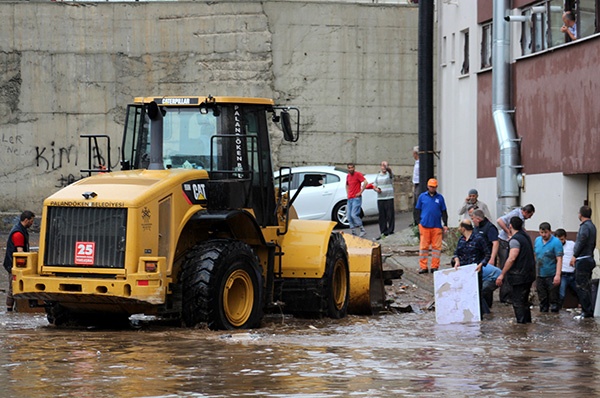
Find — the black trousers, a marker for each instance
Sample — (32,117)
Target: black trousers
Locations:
(547,293)
(487,291)
(415,197)
(387,218)
(483,304)
(520,302)
(505,289)
(583,282)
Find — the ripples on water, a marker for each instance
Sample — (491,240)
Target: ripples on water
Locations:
(391,355)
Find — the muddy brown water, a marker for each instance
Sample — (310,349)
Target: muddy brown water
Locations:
(394,355)
(379,356)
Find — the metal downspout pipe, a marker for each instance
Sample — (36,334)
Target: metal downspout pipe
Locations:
(508,174)
(425,97)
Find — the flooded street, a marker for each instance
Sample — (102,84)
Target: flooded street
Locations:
(389,355)
(393,355)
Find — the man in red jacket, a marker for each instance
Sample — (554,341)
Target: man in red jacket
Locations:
(355,186)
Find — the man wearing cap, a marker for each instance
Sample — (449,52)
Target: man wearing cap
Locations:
(473,201)
(431,211)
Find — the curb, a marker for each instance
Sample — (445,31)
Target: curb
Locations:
(411,275)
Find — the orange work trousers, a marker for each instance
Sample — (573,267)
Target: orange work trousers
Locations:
(430,238)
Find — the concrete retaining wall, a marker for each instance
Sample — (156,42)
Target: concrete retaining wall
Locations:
(70,69)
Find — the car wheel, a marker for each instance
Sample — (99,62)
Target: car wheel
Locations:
(340,215)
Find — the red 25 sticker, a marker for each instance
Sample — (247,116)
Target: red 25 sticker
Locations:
(84,253)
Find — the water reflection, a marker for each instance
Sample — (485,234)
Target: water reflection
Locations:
(392,355)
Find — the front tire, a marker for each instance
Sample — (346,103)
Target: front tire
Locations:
(222,285)
(57,315)
(60,316)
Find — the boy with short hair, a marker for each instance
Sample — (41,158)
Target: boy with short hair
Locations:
(548,255)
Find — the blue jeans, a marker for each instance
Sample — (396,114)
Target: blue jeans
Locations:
(567,279)
(353,212)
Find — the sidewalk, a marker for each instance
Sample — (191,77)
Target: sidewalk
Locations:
(401,251)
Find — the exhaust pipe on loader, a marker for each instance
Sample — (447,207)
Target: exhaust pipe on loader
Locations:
(156,137)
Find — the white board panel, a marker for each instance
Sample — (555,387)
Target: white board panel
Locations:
(456,295)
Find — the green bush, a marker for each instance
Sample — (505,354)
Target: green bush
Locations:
(450,241)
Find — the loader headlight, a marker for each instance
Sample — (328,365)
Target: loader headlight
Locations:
(150,266)
(21,262)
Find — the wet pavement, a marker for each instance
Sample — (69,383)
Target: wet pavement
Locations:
(389,355)
(386,355)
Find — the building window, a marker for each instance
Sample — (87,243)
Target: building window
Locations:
(444,51)
(587,15)
(543,29)
(464,70)
(486,45)
(538,31)
(453,48)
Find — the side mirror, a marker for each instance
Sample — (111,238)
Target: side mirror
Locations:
(291,133)
(286,126)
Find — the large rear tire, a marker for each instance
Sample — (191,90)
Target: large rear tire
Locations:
(336,288)
(222,286)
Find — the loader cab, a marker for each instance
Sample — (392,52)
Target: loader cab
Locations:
(227,137)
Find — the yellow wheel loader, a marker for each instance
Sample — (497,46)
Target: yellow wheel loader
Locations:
(192,228)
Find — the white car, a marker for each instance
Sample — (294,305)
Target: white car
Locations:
(328,201)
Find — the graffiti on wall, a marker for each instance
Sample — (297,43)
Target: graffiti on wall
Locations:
(12,143)
(68,179)
(55,157)
(100,160)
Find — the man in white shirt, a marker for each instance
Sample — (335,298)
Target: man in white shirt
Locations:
(570,25)
(567,278)
(415,181)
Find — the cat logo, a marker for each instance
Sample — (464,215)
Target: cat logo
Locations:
(195,191)
(199,191)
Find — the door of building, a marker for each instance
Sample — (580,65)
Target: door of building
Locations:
(594,201)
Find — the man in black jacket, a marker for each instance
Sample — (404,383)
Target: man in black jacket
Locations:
(519,269)
(585,263)
(489,272)
(18,241)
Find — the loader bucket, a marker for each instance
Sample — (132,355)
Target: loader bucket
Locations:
(367,293)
